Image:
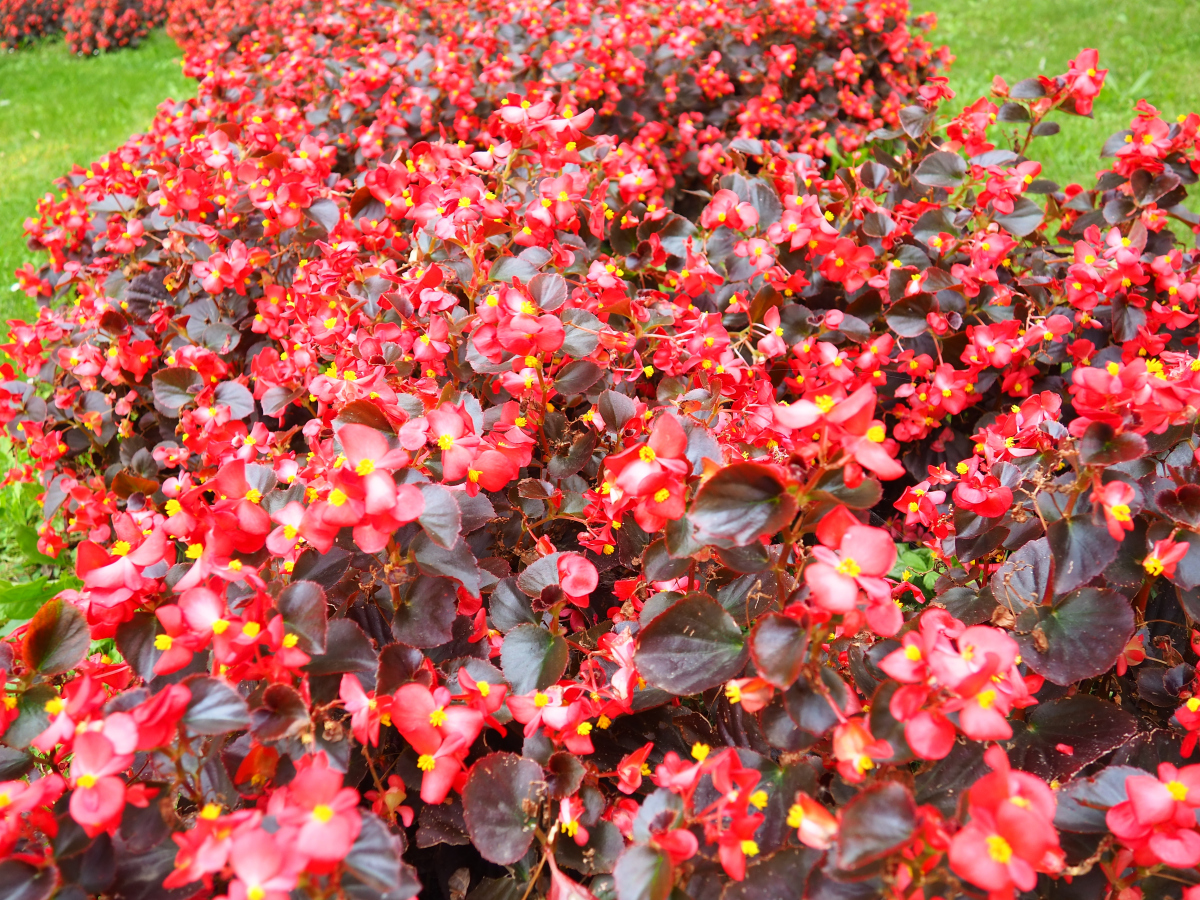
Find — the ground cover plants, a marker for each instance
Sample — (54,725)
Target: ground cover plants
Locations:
(508,450)
(88,26)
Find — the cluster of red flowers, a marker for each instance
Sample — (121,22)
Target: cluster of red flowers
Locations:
(483,434)
(88,26)
(22,21)
(98,26)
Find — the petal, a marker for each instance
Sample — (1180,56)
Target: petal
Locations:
(872,548)
(832,591)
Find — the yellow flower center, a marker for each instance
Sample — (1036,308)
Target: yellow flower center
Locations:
(337,497)
(220,626)
(825,403)
(251,629)
(1120,512)
(700,751)
(795,816)
(912,652)
(849,567)
(255,892)
(163,642)
(56,706)
(322,813)
(290,532)
(437,718)
(445,442)
(986,698)
(426,763)
(750,848)
(876,434)
(662,495)
(540,700)
(120,548)
(1153,566)
(365,467)
(1177,790)
(254,495)
(646,454)
(999,849)
(211,811)
(484,688)
(86,781)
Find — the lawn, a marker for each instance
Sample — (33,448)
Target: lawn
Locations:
(1150,48)
(56,110)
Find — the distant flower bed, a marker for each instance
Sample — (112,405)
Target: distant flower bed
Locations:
(88,26)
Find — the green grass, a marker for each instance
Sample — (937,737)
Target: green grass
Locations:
(56,110)
(1151,49)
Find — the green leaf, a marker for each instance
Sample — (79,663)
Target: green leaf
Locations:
(27,540)
(692,646)
(22,601)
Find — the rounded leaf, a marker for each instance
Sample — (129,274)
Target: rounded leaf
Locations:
(740,504)
(1079,637)
(533,658)
(692,646)
(643,873)
(877,821)
(57,638)
(500,803)
(778,646)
